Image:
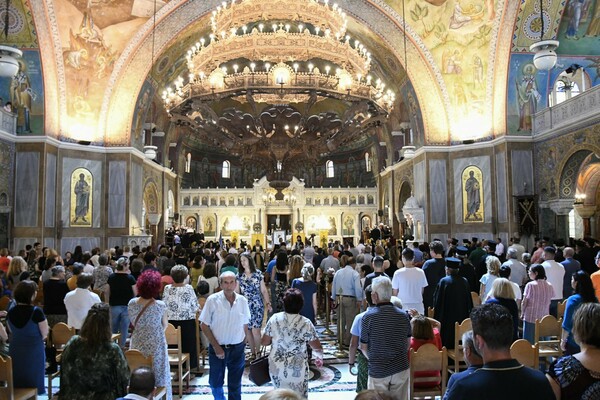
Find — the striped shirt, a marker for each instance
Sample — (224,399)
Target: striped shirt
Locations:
(536,300)
(386,331)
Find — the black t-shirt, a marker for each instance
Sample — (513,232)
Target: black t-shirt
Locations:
(121,290)
(20,314)
(369,278)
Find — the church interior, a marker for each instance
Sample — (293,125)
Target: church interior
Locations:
(265,119)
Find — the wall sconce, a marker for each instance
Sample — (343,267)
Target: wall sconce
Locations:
(579,199)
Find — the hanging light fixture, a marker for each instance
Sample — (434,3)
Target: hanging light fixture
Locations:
(9,66)
(545,57)
(150,150)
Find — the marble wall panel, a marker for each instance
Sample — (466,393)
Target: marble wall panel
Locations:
(135,195)
(19,243)
(49,242)
(27,189)
(95,168)
(483,163)
(438,192)
(86,243)
(117,194)
(522,172)
(501,188)
(50,201)
(114,241)
(420,189)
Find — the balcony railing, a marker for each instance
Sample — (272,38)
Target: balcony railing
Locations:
(574,113)
(8,122)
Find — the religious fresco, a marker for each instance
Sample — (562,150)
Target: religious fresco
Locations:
(528,88)
(21,27)
(348,229)
(580,28)
(26,93)
(93,35)
(458,34)
(82,184)
(526,94)
(528,26)
(142,105)
(472,193)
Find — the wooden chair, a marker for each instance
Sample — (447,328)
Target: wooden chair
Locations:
(7,391)
(548,331)
(525,353)
(57,339)
(456,353)
(178,360)
(136,359)
(428,358)
(476,299)
(202,351)
(4,301)
(560,310)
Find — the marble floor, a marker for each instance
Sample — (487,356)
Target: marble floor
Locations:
(332,381)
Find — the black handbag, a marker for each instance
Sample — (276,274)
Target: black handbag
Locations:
(259,371)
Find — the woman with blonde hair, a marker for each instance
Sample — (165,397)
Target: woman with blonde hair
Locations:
(309,290)
(493,272)
(295,270)
(15,267)
(502,293)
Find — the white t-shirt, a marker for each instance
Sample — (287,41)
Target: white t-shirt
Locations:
(555,274)
(517,290)
(410,283)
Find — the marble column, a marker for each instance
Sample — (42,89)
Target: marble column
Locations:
(586,212)
(561,208)
(154,220)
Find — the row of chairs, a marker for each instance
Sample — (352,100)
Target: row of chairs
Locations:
(547,342)
(429,358)
(179,361)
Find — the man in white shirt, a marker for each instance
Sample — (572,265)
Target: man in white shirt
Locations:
(518,273)
(79,301)
(141,384)
(516,244)
(499,249)
(555,274)
(408,283)
(225,319)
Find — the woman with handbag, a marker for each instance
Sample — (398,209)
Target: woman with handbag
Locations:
(149,318)
(288,333)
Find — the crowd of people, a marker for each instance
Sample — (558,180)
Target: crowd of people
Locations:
(245,297)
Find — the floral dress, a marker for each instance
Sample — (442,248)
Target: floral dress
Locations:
(288,360)
(149,338)
(250,289)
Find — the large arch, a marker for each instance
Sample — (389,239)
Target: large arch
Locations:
(174,18)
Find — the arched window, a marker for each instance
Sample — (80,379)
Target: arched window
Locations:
(225,173)
(570,83)
(368,161)
(329,171)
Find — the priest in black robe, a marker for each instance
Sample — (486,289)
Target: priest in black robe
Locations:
(452,301)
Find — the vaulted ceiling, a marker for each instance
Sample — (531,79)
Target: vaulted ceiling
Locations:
(464,60)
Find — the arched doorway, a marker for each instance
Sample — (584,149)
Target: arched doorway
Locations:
(586,199)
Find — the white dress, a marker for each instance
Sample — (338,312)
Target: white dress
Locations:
(288,360)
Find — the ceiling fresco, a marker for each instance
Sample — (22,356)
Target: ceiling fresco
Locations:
(21,28)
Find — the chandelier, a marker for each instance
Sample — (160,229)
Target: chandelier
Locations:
(279,84)
(279,51)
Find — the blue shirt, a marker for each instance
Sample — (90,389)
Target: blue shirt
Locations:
(571,266)
(459,375)
(346,282)
(271,265)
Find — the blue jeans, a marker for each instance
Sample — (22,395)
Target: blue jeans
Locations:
(120,322)
(234,361)
(529,331)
